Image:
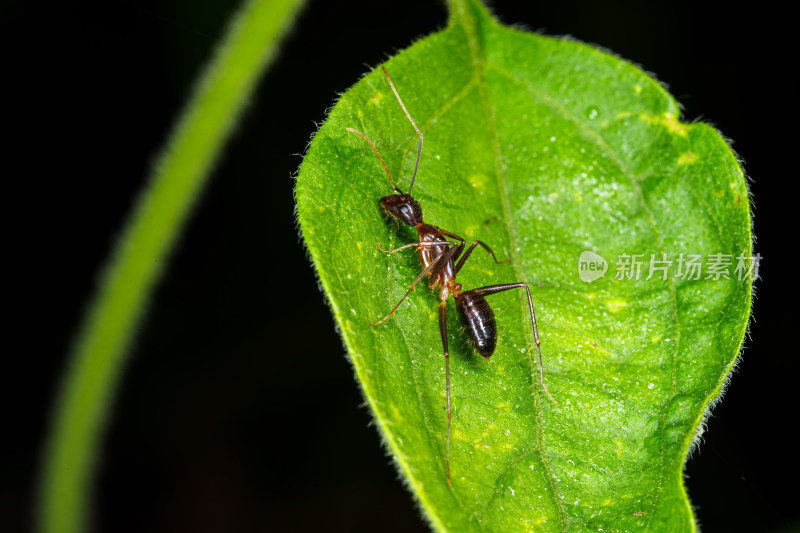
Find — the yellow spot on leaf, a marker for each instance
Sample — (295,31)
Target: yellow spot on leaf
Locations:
(688,158)
(471,230)
(615,305)
(376,99)
(667,120)
(477,180)
(637,89)
(395,413)
(655,338)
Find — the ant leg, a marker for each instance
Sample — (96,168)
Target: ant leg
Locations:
(466,255)
(494,289)
(419,278)
(469,251)
(434,267)
(458,238)
(451,235)
(443,331)
(432,270)
(429,244)
(486,247)
(445,258)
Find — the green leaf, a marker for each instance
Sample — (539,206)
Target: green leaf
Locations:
(543,148)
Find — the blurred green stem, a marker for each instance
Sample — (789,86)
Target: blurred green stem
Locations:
(104,341)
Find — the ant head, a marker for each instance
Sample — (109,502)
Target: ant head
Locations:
(403,207)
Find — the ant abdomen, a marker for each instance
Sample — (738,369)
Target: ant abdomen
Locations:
(478,321)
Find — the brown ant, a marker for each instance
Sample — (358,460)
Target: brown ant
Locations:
(438,257)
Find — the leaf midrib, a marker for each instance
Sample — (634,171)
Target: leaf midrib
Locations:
(469,27)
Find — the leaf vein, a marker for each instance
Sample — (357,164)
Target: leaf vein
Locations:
(479,66)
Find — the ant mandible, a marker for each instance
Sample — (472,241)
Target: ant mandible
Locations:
(438,257)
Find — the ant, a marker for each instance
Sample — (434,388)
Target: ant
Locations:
(442,260)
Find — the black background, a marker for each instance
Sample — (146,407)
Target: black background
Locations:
(238,410)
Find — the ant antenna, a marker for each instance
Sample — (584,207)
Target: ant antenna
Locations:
(419,150)
(398,191)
